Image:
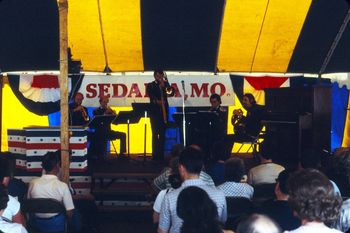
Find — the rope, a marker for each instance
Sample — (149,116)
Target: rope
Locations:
(261,28)
(102,35)
(335,43)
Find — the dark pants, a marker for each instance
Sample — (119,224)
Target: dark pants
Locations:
(158,137)
(99,139)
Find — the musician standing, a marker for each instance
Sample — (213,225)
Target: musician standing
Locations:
(220,128)
(247,127)
(103,132)
(156,91)
(78,114)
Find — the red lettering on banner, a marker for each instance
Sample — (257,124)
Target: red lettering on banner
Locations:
(116,87)
(134,89)
(176,88)
(222,89)
(91,90)
(196,90)
(146,94)
(103,88)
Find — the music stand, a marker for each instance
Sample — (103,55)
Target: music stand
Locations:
(101,120)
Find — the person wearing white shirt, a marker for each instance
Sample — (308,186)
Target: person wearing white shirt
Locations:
(6,225)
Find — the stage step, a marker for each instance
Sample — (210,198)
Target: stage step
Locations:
(123,208)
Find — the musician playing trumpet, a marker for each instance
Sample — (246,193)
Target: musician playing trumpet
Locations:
(103,132)
(78,114)
(158,92)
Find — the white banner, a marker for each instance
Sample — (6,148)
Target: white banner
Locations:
(127,89)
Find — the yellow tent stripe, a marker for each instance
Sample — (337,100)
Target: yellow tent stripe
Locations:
(277,41)
(240,30)
(346,136)
(122,32)
(241,49)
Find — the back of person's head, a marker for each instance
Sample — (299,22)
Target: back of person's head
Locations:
(282,180)
(192,159)
(234,169)
(198,212)
(340,163)
(258,223)
(51,160)
(312,197)
(4,169)
(176,150)
(175,178)
(4,198)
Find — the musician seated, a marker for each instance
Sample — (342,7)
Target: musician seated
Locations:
(103,132)
(78,115)
(246,128)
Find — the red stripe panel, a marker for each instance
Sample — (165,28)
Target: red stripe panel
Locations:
(16,144)
(260,83)
(81,185)
(54,146)
(45,81)
(70,170)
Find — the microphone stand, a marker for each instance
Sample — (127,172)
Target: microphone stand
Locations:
(183,114)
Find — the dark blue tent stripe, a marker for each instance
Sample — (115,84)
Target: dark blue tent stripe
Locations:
(320,28)
(181,34)
(29,35)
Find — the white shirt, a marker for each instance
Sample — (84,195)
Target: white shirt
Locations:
(13,207)
(159,199)
(266,173)
(7,227)
(234,189)
(314,227)
(49,186)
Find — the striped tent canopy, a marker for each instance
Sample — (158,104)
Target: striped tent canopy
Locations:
(179,35)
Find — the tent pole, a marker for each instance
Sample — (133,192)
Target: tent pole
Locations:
(63,12)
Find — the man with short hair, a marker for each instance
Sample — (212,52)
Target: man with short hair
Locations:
(13,210)
(267,172)
(49,186)
(279,209)
(190,165)
(78,114)
(5,225)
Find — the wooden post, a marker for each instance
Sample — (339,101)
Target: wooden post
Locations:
(63,12)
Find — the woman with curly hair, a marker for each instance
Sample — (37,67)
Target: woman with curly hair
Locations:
(312,198)
(198,212)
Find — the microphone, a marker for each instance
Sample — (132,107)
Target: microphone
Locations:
(183,85)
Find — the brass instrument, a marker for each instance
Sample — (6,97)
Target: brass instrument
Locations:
(169,90)
(84,113)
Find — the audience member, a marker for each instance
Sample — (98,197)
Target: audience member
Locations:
(198,212)
(311,159)
(234,186)
(312,198)
(49,186)
(267,171)
(190,165)
(257,223)
(175,182)
(13,210)
(216,165)
(279,209)
(343,221)
(162,181)
(7,226)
